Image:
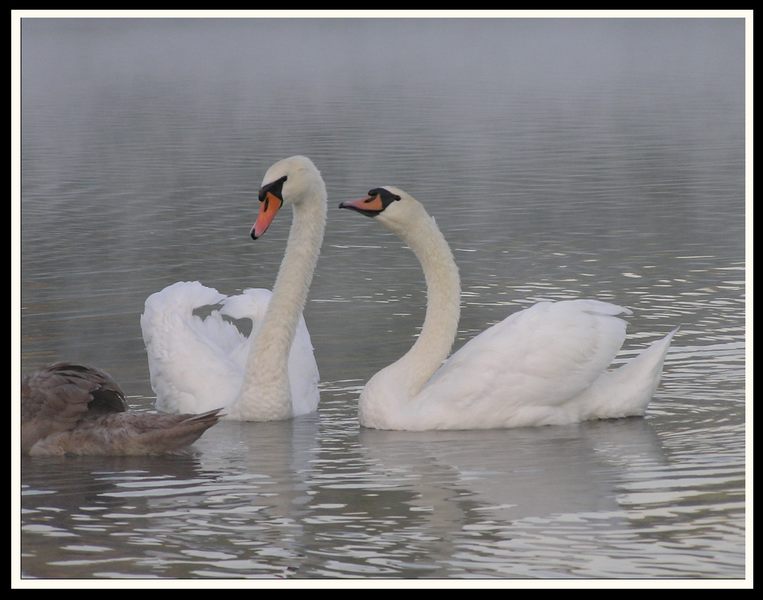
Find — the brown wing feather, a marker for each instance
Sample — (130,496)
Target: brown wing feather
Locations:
(107,396)
(130,433)
(55,398)
(73,409)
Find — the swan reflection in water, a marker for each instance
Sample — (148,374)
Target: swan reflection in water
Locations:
(313,497)
(477,497)
(518,473)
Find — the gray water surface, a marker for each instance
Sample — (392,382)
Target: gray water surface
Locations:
(562,159)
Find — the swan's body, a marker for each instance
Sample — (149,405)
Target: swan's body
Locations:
(543,365)
(197,363)
(73,409)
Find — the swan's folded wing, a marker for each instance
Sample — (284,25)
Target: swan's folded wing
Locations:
(303,372)
(252,304)
(534,359)
(189,357)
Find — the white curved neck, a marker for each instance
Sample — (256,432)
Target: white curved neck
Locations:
(264,394)
(414,369)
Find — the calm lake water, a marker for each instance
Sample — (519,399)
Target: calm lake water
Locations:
(562,159)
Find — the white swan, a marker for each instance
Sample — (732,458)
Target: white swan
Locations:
(540,366)
(197,364)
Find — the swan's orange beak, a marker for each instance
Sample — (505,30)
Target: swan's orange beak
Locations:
(269,207)
(369,206)
(271,201)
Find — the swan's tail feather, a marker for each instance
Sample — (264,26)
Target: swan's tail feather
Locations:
(627,391)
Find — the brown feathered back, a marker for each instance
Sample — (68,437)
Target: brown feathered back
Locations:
(74,409)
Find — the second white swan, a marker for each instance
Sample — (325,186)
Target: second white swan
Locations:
(545,365)
(198,364)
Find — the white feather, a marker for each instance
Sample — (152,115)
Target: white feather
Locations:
(197,362)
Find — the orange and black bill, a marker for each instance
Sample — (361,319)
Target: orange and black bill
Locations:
(377,200)
(271,201)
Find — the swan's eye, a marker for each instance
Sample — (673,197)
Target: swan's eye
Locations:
(395,197)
